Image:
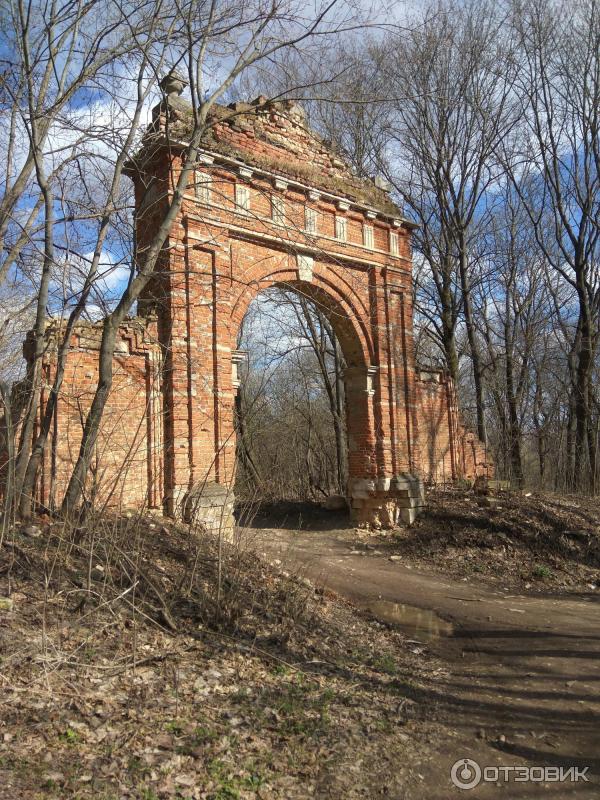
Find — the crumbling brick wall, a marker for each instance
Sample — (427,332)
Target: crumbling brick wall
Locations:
(126,468)
(449,451)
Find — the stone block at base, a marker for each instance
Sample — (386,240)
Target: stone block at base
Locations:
(209,506)
(380,508)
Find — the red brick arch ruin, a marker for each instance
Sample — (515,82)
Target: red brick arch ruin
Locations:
(269,205)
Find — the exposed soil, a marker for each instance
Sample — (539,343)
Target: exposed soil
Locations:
(533,541)
(338,666)
(529,542)
(519,659)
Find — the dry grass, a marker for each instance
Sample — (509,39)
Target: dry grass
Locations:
(130,671)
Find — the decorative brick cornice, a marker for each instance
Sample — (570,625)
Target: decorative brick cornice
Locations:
(313,193)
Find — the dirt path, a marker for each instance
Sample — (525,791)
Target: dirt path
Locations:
(522,673)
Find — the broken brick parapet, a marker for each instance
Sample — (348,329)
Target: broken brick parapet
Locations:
(135,335)
(272,136)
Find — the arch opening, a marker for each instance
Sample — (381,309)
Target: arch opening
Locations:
(302,400)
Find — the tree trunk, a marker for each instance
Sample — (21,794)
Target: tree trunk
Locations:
(473,345)
(91,428)
(340,432)
(9,494)
(242,440)
(24,494)
(585,360)
(514,431)
(449,331)
(540,432)
(592,438)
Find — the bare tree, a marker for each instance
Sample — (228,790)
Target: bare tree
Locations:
(451,75)
(513,311)
(557,176)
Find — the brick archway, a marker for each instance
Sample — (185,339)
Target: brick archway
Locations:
(346,317)
(269,203)
(353,337)
(219,257)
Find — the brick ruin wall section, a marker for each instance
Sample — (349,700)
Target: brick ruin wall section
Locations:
(449,451)
(126,469)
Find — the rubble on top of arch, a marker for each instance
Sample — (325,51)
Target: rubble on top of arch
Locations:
(273,135)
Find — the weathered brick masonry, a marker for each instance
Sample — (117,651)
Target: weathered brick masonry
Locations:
(448,450)
(270,204)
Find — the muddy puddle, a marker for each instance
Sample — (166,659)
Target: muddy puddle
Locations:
(419,623)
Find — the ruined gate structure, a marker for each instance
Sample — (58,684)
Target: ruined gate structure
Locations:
(270,204)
